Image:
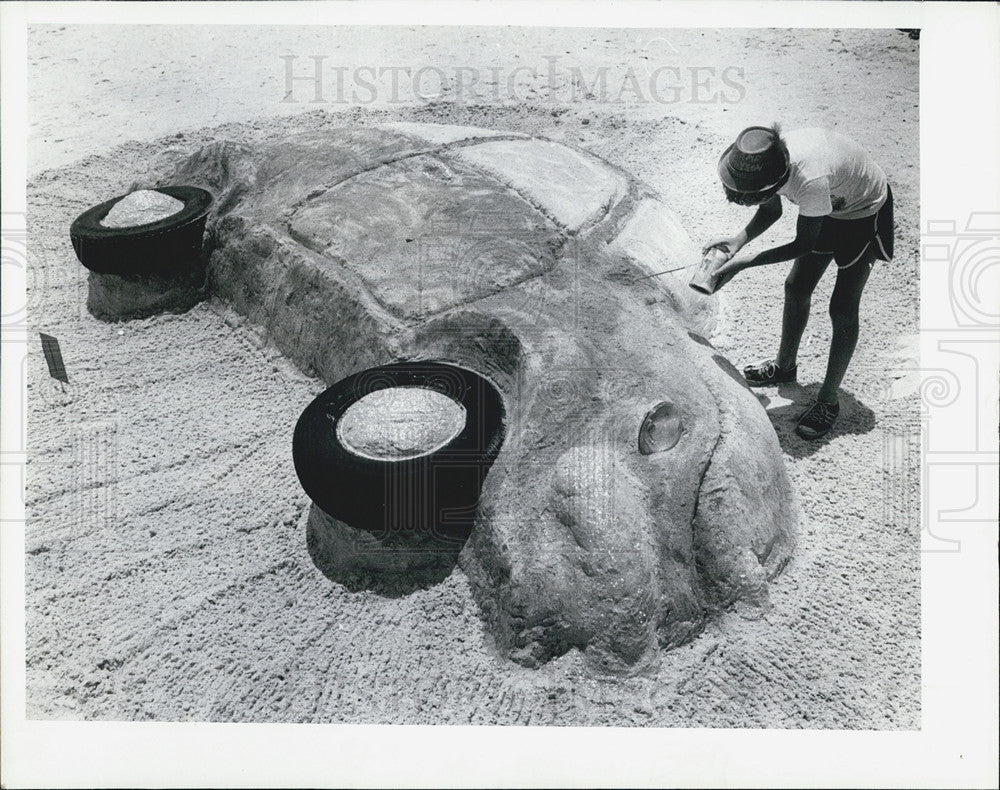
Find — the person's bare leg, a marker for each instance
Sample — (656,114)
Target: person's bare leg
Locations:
(844,306)
(799,286)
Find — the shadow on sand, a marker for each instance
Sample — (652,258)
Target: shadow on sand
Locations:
(786,404)
(392,567)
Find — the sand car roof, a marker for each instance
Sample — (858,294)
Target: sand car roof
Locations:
(459,213)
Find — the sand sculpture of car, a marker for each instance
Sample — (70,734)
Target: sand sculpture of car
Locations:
(634,486)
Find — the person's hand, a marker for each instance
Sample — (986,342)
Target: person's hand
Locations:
(730,245)
(727,270)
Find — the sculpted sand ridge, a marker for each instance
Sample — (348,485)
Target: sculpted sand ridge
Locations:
(516,258)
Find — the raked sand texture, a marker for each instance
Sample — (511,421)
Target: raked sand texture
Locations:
(167,573)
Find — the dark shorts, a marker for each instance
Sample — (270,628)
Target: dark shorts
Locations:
(848,239)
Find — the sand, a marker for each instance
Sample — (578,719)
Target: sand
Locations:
(141,208)
(167,575)
(400,422)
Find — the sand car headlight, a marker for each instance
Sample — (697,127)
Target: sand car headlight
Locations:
(660,429)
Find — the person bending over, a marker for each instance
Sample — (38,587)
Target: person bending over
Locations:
(845,215)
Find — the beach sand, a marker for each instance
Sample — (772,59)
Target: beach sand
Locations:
(167,576)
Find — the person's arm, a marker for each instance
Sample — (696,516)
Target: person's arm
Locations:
(815,202)
(806,234)
(766,215)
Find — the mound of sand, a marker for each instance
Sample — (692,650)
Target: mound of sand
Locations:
(397,250)
(141,208)
(400,422)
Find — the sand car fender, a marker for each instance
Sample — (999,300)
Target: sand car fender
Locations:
(153,248)
(436,492)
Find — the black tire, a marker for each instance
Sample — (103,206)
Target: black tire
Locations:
(171,245)
(436,493)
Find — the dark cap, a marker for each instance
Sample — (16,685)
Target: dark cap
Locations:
(755,162)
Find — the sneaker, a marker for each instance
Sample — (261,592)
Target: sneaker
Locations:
(817,420)
(764,373)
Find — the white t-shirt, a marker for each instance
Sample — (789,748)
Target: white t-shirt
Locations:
(831,175)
